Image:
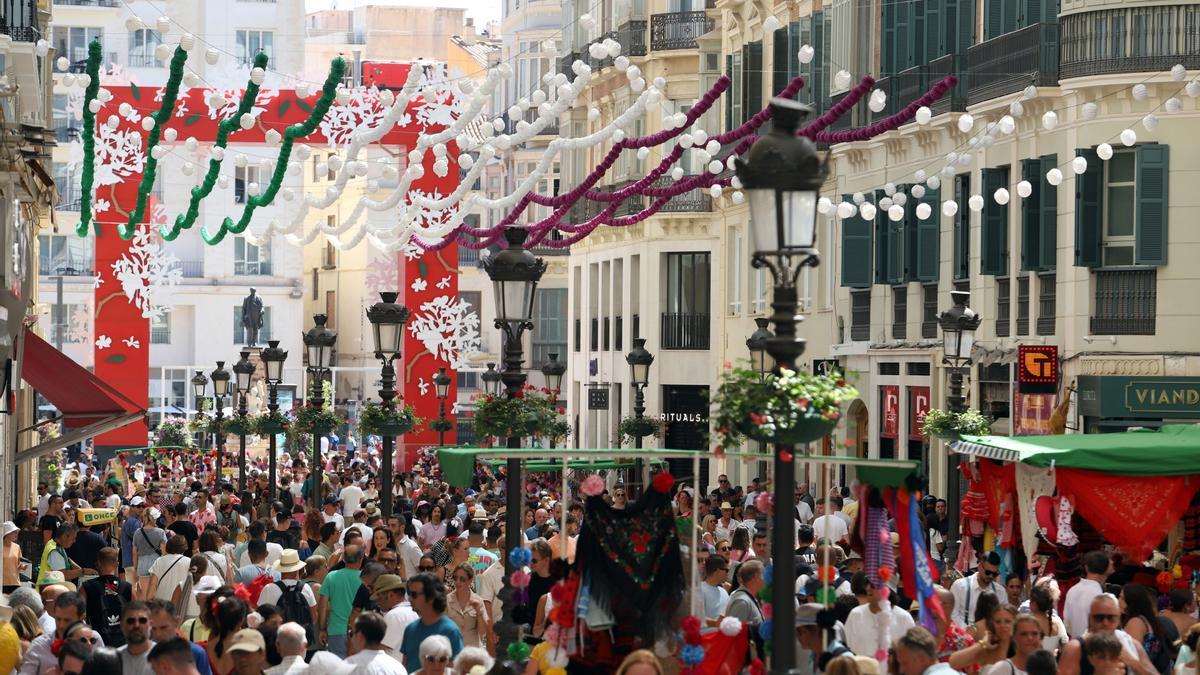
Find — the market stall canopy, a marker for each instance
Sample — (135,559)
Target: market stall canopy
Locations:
(1171,450)
(88,406)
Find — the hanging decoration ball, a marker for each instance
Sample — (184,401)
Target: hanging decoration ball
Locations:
(867,211)
(1128,138)
(465,161)
(1050,120)
(858,198)
(246,121)
(62,63)
(148,122)
(878,101)
(924,210)
(1024,189)
(293,168)
(1104,151)
(895,213)
(94,106)
(597,51)
(188,168)
(900,198)
(302,89)
(218,153)
(163,24)
(1173,105)
(162,52)
(738,197)
(917,191)
(257,75)
(824,206)
(240,161)
(845,210)
(42,48)
(643,153)
(1089,110)
(712,147)
(190,79)
(125,109)
(613,47)
(677,172)
(187,41)
(223,182)
(272,137)
(288,194)
(949,208)
(1030,92)
(920,176)
(191,143)
(1140,92)
(1054,177)
(158,151)
(637,84)
(621,62)
(1079,165)
(714,191)
(216,100)
(886,203)
(716,166)
(1006,125)
(68,80)
(842,79)
(923,115)
(948,170)
(133,23)
(771,24)
(735,182)
(975,203)
(889,189)
(806,54)
(933,182)
(1193,88)
(1001,196)
(212,56)
(966,123)
(1150,122)
(586,22)
(1178,72)
(1016,109)
(965,158)
(618,135)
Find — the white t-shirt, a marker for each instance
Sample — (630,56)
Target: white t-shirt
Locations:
(273,552)
(491,581)
(396,620)
(375,662)
(113,501)
(830,527)
(335,518)
(935,538)
(410,556)
(1077,605)
(364,530)
(171,570)
(862,630)
(804,511)
(351,497)
(1005,667)
(272,592)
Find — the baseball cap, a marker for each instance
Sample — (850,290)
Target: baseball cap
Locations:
(207,585)
(806,614)
(247,640)
(137,501)
(330,499)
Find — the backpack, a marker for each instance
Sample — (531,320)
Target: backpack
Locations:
(293,607)
(111,605)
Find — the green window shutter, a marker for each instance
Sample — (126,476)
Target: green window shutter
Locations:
(904,42)
(887,47)
(802,35)
(856,251)
(883,256)
(1000,17)
(1048,203)
(898,247)
(1151,214)
(995,224)
(1031,217)
(1089,210)
(729,99)
(818,85)
(962,227)
(928,236)
(753,66)
(960,28)
(780,48)
(931,45)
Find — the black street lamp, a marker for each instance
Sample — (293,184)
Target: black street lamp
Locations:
(273,358)
(553,370)
(958,324)
(782,178)
(387,322)
(491,380)
(243,371)
(515,273)
(761,361)
(220,381)
(441,386)
(639,361)
(319,342)
(199,393)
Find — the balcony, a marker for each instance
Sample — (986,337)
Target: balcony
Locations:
(89,3)
(192,269)
(18,20)
(632,36)
(692,201)
(1013,61)
(467,257)
(1126,302)
(544,250)
(685,331)
(67,266)
(564,65)
(956,99)
(66,128)
(678,30)
(1127,40)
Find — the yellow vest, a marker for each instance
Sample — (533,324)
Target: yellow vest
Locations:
(44,568)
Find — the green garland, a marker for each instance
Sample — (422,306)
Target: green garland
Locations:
(530,413)
(87,181)
(312,420)
(337,71)
(943,423)
(790,407)
(632,428)
(393,421)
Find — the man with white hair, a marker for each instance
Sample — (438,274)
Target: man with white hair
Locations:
(292,643)
(28,597)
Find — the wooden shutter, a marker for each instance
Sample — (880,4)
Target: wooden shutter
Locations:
(1031,215)
(882,241)
(932,43)
(1000,17)
(753,67)
(962,227)
(804,35)
(1089,210)
(856,251)
(1151,208)
(905,41)
(729,125)
(1048,204)
(780,48)
(960,26)
(928,236)
(887,48)
(995,224)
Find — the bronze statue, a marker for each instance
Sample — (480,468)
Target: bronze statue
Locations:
(252,317)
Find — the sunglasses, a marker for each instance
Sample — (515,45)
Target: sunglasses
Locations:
(425,568)
(87,640)
(988,573)
(137,619)
(1106,617)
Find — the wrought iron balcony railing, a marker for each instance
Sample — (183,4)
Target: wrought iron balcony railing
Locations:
(1126,301)
(678,30)
(1013,61)
(685,331)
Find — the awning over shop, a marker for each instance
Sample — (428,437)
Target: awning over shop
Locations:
(88,406)
(1169,451)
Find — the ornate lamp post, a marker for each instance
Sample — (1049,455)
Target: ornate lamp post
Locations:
(441,385)
(762,362)
(220,381)
(199,392)
(273,358)
(639,361)
(319,342)
(491,380)
(782,176)
(959,324)
(243,371)
(387,323)
(515,274)
(553,370)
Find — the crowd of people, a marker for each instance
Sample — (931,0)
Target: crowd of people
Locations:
(194,578)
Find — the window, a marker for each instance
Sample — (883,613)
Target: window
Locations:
(251,260)
(550,325)
(160,328)
(962,227)
(1121,208)
(758,304)
(1003,303)
(168,386)
(1119,186)
(142,43)
(1126,301)
(860,315)
(66,125)
(733,271)
(1047,304)
(1023,305)
(251,42)
(64,254)
(239,332)
(467,380)
(245,182)
(857,250)
(994,224)
(899,312)
(72,41)
(69,323)
(67,181)
(686,321)
(929,310)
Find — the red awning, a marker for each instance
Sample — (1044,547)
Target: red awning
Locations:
(89,407)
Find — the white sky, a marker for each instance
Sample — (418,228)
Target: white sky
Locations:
(482,11)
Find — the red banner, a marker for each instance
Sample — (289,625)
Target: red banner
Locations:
(918,405)
(890,395)
(1133,512)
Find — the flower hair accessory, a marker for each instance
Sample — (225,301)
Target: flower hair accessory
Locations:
(592,486)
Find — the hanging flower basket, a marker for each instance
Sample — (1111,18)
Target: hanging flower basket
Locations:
(440,425)
(632,428)
(950,426)
(313,420)
(790,407)
(393,421)
(530,413)
(173,431)
(270,423)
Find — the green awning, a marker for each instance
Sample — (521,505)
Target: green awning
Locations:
(1173,450)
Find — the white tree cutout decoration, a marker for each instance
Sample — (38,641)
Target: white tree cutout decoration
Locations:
(118,154)
(148,274)
(448,328)
(365,108)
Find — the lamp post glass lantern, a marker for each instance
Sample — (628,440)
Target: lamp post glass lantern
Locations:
(639,360)
(491,380)
(387,327)
(553,370)
(441,386)
(782,176)
(318,342)
(243,371)
(199,393)
(273,358)
(220,381)
(757,344)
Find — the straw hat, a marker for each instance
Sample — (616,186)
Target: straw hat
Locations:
(289,561)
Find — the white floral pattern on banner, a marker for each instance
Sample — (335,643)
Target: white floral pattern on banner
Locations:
(448,329)
(423,386)
(364,109)
(444,283)
(79,324)
(233,95)
(148,274)
(419,285)
(119,155)
(132,342)
(103,342)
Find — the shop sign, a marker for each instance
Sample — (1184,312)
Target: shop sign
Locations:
(1037,369)
(890,394)
(1031,414)
(918,405)
(1117,397)
(598,398)
(825,366)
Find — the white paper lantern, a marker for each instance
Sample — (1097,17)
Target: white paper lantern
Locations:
(212,56)
(858,198)
(1050,120)
(677,173)
(191,143)
(94,106)
(148,122)
(934,182)
(919,176)
(302,89)
(878,101)
(923,211)
(217,153)
(824,206)
(258,75)
(845,210)
(68,80)
(1128,138)
(42,47)
(738,197)
(1104,151)
(806,54)
(62,63)
(966,123)
(190,79)
(895,213)
(1178,72)
(1001,196)
(1030,92)
(1054,177)
(223,182)
(889,189)
(924,114)
(1007,125)
(917,191)
(948,170)
(1024,189)
(162,52)
(1193,88)
(246,121)
(188,168)
(885,203)
(158,151)
(900,199)
(949,208)
(975,203)
(771,24)
(868,211)
(1089,110)
(133,23)
(842,79)
(164,24)
(1173,105)
(621,62)
(1150,122)
(965,158)
(1140,92)
(1079,165)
